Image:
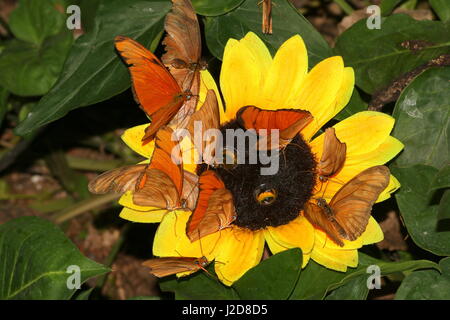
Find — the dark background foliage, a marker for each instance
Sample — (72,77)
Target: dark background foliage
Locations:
(50,146)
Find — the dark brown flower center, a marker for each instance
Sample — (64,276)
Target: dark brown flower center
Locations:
(268,200)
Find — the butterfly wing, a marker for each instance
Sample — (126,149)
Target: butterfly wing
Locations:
(319,218)
(155,89)
(117,180)
(183,52)
(289,123)
(162,267)
(190,190)
(163,181)
(333,156)
(208,117)
(183,40)
(214,210)
(352,204)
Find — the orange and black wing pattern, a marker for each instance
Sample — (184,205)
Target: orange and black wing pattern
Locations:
(289,122)
(214,210)
(155,89)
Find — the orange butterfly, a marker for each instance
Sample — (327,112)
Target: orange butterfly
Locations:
(162,183)
(208,116)
(183,54)
(215,208)
(333,156)
(289,122)
(154,88)
(347,214)
(162,267)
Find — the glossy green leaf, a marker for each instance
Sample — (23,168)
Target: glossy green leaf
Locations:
(316,280)
(419,209)
(35,257)
(214,7)
(426,284)
(444,206)
(422,116)
(355,105)
(34,20)
(200,286)
(442,178)
(378,56)
(287,21)
(387,6)
(84,295)
(355,289)
(31,70)
(442,8)
(93,71)
(271,279)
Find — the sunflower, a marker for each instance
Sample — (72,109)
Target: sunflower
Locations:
(251,76)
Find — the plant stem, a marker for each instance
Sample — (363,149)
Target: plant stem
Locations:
(345,6)
(83,206)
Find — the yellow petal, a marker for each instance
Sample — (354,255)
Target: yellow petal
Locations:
(142,216)
(393,185)
(318,91)
(373,233)
(133,136)
(297,233)
(334,259)
(363,132)
(238,251)
(285,75)
(126,200)
(207,83)
(276,247)
(345,91)
(171,240)
(242,73)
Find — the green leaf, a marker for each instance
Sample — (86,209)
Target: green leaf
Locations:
(84,295)
(387,6)
(214,7)
(444,206)
(287,21)
(93,71)
(427,284)
(442,8)
(355,289)
(34,20)
(200,286)
(422,116)
(419,210)
(355,105)
(316,281)
(35,256)
(31,70)
(271,279)
(378,56)
(442,178)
